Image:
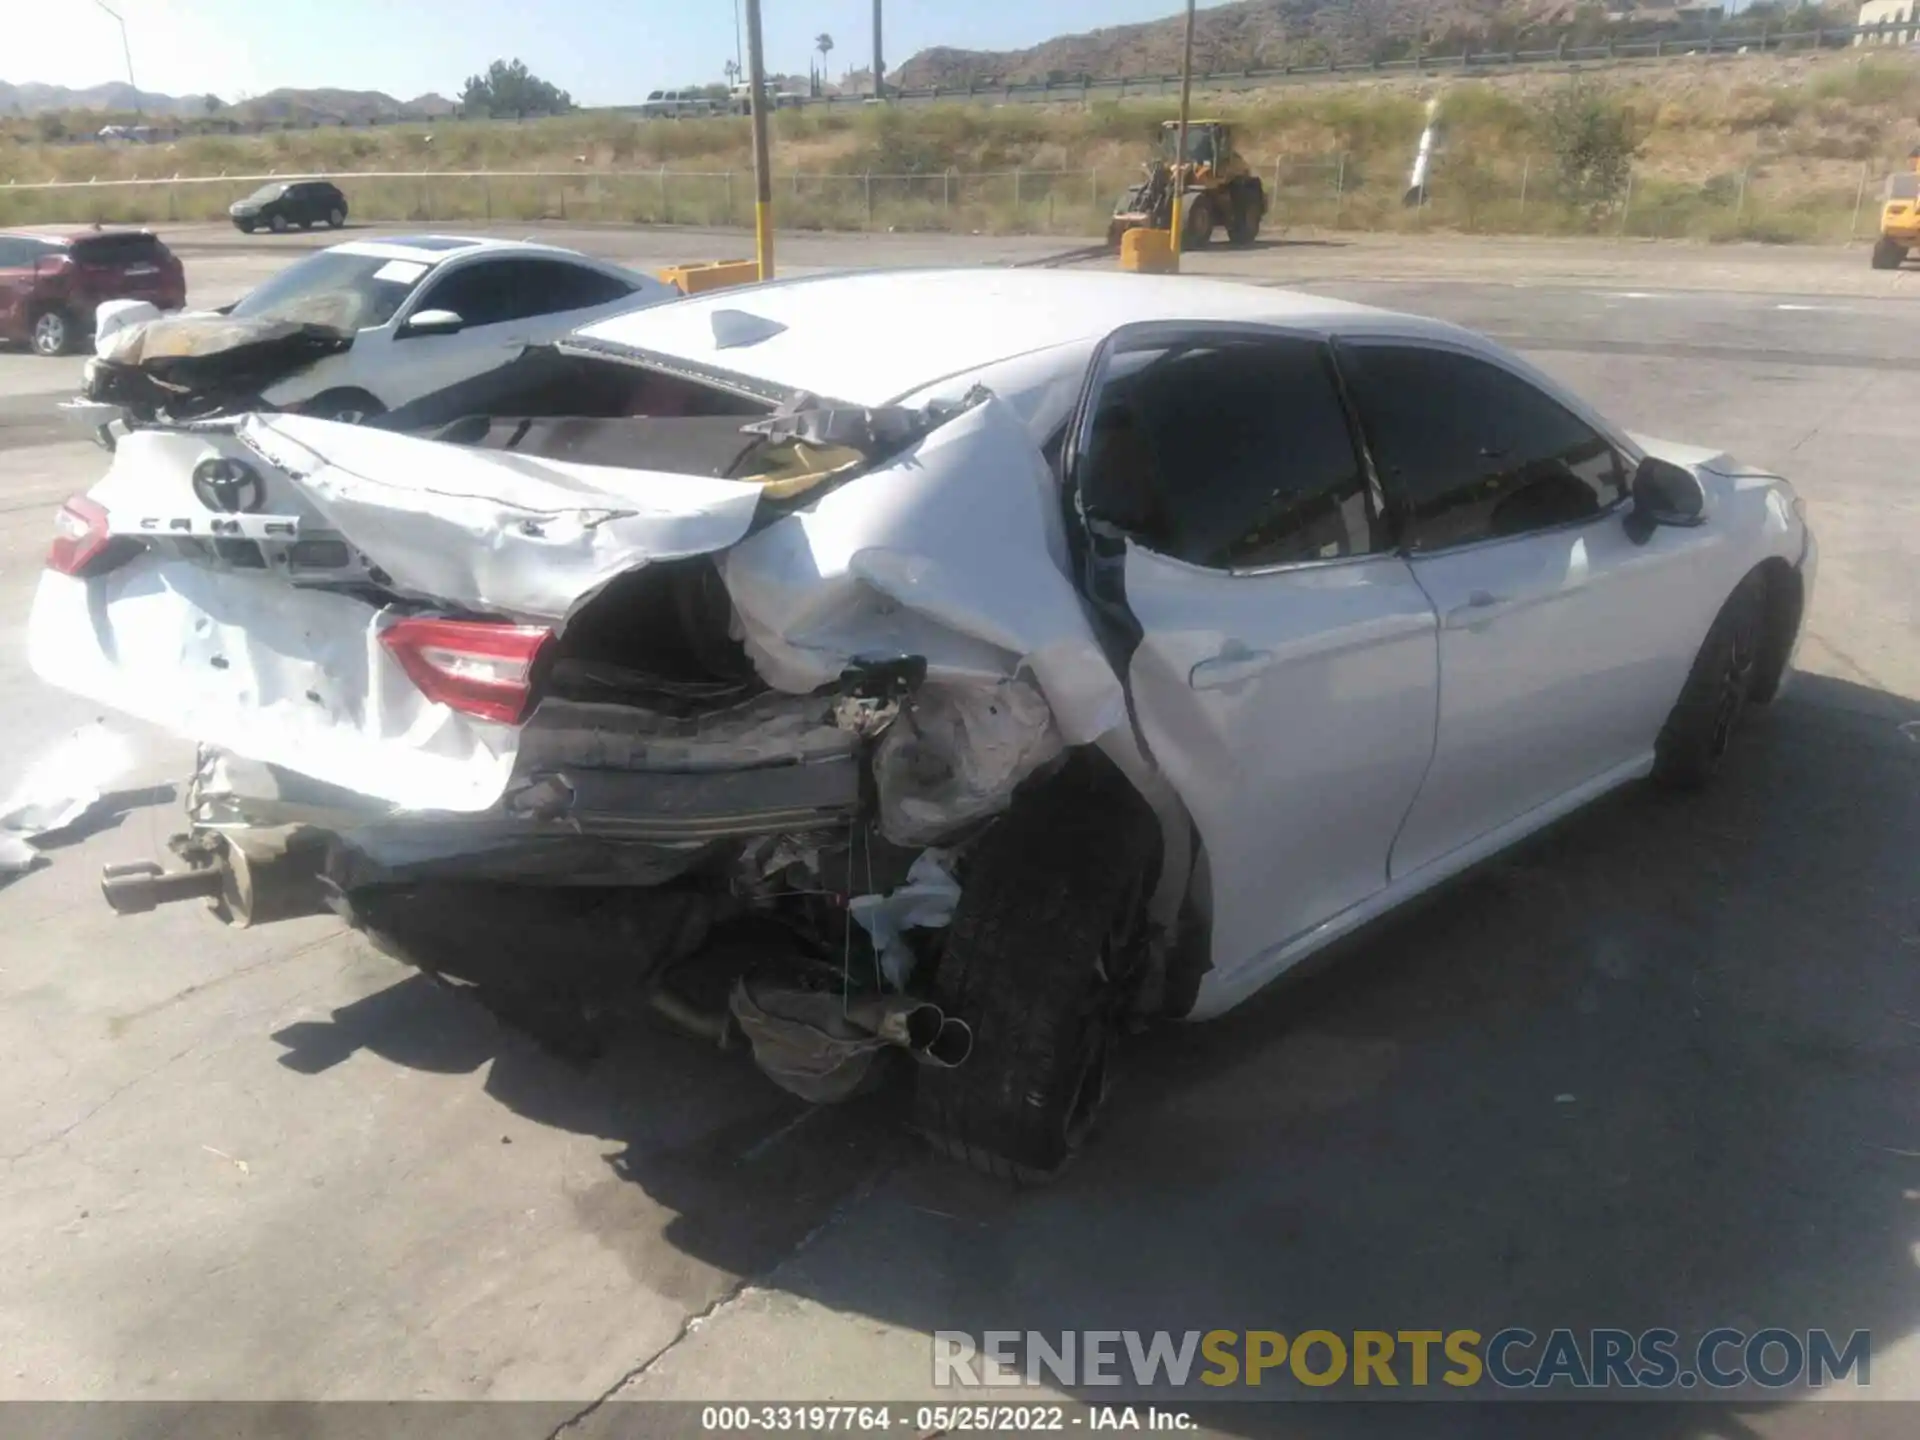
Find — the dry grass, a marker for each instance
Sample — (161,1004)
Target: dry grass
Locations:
(1757,148)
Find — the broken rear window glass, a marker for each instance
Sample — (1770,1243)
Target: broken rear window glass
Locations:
(337,288)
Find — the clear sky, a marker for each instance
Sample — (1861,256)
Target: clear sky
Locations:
(603,51)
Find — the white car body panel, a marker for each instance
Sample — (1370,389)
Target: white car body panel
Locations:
(1293,711)
(1341,734)
(1562,653)
(292,677)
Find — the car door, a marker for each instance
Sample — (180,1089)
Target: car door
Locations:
(1561,649)
(485,293)
(1280,661)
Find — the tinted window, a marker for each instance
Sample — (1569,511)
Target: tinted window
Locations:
(1231,455)
(1473,451)
(266,193)
(18,254)
(547,287)
(490,291)
(480,294)
(125,248)
(337,288)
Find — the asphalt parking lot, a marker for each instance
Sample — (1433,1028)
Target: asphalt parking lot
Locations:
(1657,1069)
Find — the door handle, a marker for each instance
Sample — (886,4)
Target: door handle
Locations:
(1473,611)
(1230,669)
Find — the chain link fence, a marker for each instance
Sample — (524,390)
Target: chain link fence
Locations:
(1466,192)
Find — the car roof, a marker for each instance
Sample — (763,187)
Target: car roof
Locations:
(875,336)
(72,237)
(434,249)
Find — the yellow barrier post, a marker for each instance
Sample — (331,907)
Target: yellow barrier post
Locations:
(1180,153)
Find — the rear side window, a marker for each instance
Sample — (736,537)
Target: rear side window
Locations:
(1232,455)
(487,292)
(1473,451)
(19,254)
(122,249)
(548,287)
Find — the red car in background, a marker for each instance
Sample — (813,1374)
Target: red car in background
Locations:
(50,284)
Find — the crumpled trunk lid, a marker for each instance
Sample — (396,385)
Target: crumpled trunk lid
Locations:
(952,549)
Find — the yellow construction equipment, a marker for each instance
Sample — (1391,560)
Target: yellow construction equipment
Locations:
(1899,216)
(1218,189)
(704,275)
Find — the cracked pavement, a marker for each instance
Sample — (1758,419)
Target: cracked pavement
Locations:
(275,1164)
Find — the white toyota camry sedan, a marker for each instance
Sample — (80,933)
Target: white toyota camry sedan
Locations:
(1042,651)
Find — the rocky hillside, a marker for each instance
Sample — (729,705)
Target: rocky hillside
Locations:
(1250,34)
(327,106)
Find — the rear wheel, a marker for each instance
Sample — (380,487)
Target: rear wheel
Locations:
(1695,738)
(53,333)
(1243,224)
(1888,254)
(1042,960)
(336,217)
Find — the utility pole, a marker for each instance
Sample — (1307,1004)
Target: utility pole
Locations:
(127,48)
(1180,152)
(739,61)
(762,167)
(879,65)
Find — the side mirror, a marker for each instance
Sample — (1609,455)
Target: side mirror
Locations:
(1665,494)
(433,322)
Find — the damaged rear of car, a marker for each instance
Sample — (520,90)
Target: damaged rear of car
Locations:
(643,624)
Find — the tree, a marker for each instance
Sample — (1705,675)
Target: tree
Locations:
(214,104)
(823,42)
(509,88)
(732,69)
(1592,137)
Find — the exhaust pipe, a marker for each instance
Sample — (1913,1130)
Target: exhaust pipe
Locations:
(252,877)
(821,1046)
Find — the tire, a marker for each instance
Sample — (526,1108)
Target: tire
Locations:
(336,217)
(278,224)
(1196,223)
(53,333)
(1888,254)
(1695,738)
(349,407)
(1041,960)
(1249,205)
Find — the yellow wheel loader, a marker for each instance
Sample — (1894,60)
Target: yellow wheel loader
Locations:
(1218,189)
(1899,216)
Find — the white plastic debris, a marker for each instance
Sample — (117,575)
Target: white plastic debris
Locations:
(925,902)
(59,788)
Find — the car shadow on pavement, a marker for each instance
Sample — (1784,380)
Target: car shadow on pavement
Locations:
(1657,1068)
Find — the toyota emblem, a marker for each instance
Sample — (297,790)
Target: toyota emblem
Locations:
(228,485)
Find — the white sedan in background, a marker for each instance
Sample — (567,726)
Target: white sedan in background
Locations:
(428,311)
(1098,645)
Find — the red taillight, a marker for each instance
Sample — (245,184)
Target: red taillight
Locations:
(80,536)
(474,666)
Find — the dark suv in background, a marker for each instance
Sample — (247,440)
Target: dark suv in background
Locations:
(50,284)
(286,203)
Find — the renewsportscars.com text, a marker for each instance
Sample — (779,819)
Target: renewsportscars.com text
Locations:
(1509,1359)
